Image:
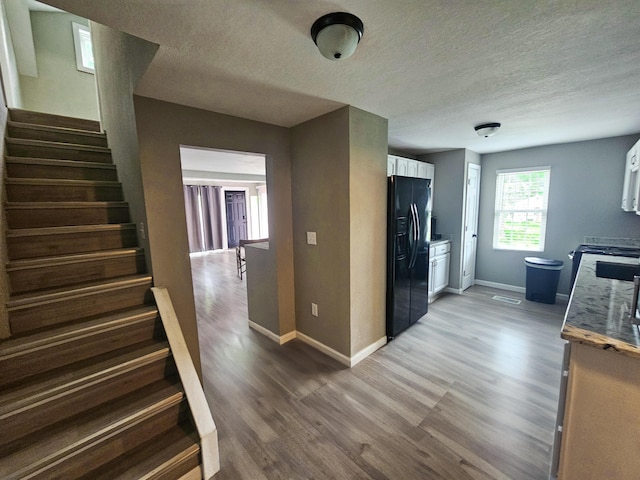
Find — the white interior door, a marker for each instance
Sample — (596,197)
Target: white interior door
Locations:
(470,226)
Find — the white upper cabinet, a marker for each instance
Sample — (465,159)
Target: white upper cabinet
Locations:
(391,165)
(406,167)
(402,166)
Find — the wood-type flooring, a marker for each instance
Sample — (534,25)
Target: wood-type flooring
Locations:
(469,392)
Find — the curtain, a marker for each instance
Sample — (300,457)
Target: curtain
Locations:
(211,224)
(202,209)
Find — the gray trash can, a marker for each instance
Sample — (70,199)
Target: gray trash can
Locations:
(542,279)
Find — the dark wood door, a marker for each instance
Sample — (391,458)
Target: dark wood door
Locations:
(236,217)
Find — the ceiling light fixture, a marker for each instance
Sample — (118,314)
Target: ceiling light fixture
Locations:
(487,129)
(337,34)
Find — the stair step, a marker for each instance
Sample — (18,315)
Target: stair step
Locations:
(34,354)
(25,167)
(62,190)
(50,133)
(50,272)
(41,118)
(51,241)
(66,393)
(169,456)
(17,147)
(58,214)
(98,436)
(29,312)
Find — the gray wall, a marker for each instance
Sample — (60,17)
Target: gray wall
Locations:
(59,88)
(584,199)
(448,203)
(121,59)
(339,191)
(162,127)
(320,191)
(368,224)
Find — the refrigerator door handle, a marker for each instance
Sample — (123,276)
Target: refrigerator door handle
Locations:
(416,231)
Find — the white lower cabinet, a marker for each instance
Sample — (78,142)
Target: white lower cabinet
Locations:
(439,257)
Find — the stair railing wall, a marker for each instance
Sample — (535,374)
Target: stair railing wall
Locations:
(202,417)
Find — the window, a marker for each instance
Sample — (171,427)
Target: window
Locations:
(84,50)
(521,209)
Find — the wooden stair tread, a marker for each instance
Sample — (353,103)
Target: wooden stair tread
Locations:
(169,454)
(54,128)
(61,205)
(62,182)
(42,118)
(60,163)
(28,232)
(15,347)
(71,378)
(70,259)
(74,438)
(28,300)
(56,145)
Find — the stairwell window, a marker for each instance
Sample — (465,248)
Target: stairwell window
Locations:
(83,47)
(521,209)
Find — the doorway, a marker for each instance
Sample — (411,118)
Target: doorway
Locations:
(236,208)
(470,234)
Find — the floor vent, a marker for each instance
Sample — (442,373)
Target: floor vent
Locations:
(512,301)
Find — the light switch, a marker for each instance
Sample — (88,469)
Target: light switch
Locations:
(311,238)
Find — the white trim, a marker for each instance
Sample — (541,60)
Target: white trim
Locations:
(523,169)
(366,351)
(501,286)
(287,337)
(457,291)
(514,288)
(280,340)
(264,331)
(343,359)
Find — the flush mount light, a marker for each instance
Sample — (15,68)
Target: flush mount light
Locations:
(337,34)
(487,129)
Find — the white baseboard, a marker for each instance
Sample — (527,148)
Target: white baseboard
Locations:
(343,359)
(501,286)
(457,291)
(515,288)
(273,336)
(287,337)
(366,351)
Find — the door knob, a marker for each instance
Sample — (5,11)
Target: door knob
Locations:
(474,235)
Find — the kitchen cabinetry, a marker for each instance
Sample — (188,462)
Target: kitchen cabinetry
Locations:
(406,167)
(631,186)
(439,259)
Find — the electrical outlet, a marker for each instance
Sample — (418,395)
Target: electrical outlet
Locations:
(314,309)
(311,238)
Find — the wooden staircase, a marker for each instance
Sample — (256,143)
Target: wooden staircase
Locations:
(88,384)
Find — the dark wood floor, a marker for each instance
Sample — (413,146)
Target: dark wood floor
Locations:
(469,392)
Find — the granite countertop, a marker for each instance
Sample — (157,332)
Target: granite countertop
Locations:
(598,311)
(433,243)
(260,245)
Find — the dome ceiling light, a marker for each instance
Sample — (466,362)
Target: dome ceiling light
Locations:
(337,34)
(487,129)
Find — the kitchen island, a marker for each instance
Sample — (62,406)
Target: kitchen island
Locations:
(601,425)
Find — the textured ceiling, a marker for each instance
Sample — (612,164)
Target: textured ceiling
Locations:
(550,71)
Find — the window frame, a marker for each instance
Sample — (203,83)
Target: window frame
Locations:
(77,44)
(499,209)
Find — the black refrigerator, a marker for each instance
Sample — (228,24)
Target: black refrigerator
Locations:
(409,232)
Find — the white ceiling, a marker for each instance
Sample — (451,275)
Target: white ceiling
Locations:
(551,71)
